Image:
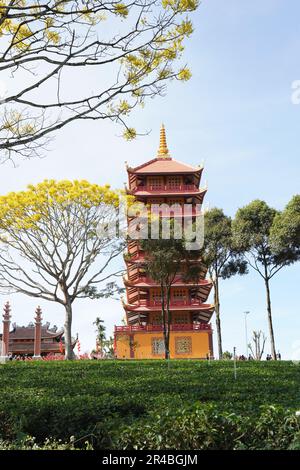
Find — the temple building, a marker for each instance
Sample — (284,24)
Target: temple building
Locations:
(34,340)
(163,180)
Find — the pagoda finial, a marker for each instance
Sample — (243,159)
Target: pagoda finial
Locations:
(163,151)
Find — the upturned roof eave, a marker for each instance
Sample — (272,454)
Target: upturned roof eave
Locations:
(200,283)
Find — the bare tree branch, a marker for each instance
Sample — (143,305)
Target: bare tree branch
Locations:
(134,45)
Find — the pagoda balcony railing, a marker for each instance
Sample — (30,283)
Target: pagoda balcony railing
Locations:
(166,188)
(148,280)
(160,210)
(179,211)
(173,303)
(173,327)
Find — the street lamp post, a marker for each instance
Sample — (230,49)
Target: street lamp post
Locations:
(246,333)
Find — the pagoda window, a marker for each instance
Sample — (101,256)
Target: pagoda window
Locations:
(174,181)
(156,182)
(155,200)
(156,319)
(182,318)
(155,295)
(183,345)
(158,346)
(179,294)
(175,201)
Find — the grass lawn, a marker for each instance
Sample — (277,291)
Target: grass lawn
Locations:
(106,398)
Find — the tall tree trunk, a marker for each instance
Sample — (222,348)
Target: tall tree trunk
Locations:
(168,324)
(257,348)
(270,322)
(164,320)
(69,354)
(218,320)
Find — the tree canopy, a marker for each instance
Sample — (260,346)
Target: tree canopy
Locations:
(252,234)
(252,227)
(285,231)
(221,257)
(50,242)
(220,254)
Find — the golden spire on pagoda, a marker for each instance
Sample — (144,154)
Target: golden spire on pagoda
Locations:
(163,151)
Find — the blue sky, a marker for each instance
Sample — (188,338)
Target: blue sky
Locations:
(236,114)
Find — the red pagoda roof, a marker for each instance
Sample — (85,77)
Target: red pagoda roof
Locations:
(149,306)
(27,332)
(163,165)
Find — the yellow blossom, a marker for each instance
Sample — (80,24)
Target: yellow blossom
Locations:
(184,74)
(129,133)
(121,9)
(25,210)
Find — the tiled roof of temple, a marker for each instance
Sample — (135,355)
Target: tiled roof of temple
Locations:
(164,165)
(27,332)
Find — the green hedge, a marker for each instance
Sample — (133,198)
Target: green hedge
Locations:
(136,404)
(208,429)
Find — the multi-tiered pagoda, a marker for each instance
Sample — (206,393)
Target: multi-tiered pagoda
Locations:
(164,181)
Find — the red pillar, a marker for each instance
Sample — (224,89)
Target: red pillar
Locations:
(38,333)
(5,335)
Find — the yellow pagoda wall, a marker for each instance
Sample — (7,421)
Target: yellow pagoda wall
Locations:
(142,345)
(123,346)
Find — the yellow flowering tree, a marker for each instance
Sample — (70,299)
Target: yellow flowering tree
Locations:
(133,48)
(57,241)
